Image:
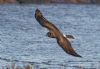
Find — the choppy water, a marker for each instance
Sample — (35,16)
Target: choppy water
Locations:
(23,39)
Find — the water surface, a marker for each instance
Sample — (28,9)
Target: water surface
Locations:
(23,39)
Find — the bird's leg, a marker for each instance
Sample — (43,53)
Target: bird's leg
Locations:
(70,36)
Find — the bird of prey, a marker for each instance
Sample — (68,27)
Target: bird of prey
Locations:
(54,32)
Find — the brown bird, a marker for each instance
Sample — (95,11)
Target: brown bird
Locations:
(54,32)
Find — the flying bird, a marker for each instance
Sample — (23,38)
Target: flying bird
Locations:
(54,32)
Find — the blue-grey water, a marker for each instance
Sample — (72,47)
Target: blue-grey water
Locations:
(22,39)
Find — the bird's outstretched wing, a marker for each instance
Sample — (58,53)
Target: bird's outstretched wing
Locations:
(44,22)
(67,47)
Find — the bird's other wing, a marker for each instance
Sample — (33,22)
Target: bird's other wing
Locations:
(44,22)
(66,46)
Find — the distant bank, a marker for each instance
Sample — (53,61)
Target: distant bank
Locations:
(51,1)
(58,1)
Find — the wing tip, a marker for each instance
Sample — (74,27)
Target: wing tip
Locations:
(37,10)
(79,56)
(37,13)
(76,55)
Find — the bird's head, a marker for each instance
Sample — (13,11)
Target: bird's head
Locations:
(51,35)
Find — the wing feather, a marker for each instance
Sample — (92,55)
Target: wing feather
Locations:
(44,22)
(66,46)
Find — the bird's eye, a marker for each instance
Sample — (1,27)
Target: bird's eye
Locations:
(50,34)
